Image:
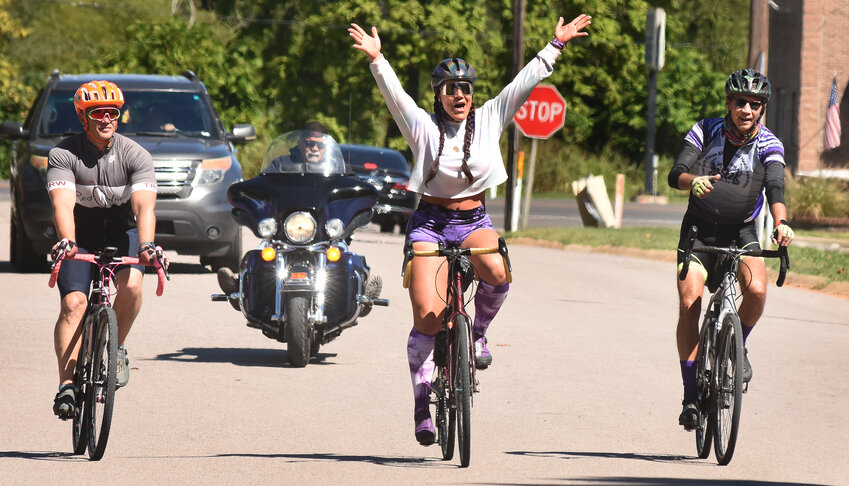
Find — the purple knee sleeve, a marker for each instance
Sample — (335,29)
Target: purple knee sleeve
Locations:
(420,358)
(488,300)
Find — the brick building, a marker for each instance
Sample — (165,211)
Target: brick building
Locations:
(808,44)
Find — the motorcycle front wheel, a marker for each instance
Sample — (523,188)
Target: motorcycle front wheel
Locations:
(298,332)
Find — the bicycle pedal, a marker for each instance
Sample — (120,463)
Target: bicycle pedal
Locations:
(745,387)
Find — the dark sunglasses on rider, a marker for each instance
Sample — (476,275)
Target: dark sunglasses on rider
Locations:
(99,114)
(314,144)
(465,87)
(741,103)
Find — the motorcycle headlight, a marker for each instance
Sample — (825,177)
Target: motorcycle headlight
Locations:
(300,227)
(267,227)
(334,228)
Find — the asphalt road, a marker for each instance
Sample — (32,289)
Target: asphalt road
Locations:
(584,388)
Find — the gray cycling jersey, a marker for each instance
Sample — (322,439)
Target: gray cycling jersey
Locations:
(103,182)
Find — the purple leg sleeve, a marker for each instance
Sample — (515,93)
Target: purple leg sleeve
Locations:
(420,357)
(488,300)
(688,374)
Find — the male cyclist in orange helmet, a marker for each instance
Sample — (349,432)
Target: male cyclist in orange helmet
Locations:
(103,189)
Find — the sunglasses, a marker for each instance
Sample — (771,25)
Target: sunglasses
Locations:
(449,89)
(100,114)
(314,144)
(741,103)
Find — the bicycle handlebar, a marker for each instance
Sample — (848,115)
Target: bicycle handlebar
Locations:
(162,273)
(455,251)
(780,253)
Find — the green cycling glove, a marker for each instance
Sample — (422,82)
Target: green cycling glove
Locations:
(700,185)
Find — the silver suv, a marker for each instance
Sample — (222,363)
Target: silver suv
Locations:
(174,119)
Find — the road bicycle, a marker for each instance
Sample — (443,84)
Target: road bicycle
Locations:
(95,375)
(721,356)
(455,381)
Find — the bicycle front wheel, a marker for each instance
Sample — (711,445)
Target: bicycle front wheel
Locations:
(729,387)
(704,373)
(79,426)
(102,380)
(463,387)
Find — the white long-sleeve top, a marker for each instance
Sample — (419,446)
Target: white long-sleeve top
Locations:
(422,133)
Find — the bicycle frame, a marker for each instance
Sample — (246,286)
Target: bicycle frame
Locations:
(455,384)
(94,378)
(721,349)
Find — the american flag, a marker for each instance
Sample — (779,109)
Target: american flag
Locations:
(832,119)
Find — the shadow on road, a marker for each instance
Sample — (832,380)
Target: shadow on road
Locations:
(41,456)
(272,358)
(636,481)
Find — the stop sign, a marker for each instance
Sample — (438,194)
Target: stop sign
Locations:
(543,113)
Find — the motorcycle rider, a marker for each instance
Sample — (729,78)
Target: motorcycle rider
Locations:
(310,152)
(457,159)
(310,156)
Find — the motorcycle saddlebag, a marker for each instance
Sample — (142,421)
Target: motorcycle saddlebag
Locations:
(343,287)
(259,285)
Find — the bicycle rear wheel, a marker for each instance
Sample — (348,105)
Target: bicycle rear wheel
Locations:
(729,387)
(445,419)
(102,380)
(79,426)
(463,387)
(704,373)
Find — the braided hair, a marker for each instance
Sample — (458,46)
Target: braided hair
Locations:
(439,112)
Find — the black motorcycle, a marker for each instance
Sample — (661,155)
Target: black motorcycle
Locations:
(302,285)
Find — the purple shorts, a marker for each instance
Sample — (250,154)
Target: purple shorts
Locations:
(434,223)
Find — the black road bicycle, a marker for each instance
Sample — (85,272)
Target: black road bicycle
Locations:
(454,353)
(720,357)
(95,375)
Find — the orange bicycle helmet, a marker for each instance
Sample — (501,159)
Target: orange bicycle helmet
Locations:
(98,93)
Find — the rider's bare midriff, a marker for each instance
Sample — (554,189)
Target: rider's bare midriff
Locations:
(460,204)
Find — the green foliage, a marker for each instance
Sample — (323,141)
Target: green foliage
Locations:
(279,64)
(817,197)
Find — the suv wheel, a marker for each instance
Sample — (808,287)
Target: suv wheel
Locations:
(387,226)
(20,251)
(231,259)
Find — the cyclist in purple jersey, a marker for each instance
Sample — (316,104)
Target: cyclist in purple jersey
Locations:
(103,189)
(457,157)
(729,165)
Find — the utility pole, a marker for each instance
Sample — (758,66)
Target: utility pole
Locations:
(759,35)
(513,141)
(655,58)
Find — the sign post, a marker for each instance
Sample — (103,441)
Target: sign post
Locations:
(540,117)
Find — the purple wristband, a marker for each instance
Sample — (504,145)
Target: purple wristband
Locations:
(558,43)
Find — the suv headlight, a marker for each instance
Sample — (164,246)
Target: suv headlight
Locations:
(300,227)
(267,227)
(211,171)
(334,228)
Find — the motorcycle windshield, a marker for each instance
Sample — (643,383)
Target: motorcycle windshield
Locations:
(304,151)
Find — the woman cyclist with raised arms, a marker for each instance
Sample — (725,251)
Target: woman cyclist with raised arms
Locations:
(728,165)
(457,158)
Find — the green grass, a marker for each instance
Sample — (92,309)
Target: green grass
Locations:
(831,266)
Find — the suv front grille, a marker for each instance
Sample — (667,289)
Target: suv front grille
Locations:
(174,178)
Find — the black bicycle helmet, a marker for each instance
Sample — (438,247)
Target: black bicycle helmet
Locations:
(451,69)
(748,82)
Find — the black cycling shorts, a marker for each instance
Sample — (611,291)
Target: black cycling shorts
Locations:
(77,276)
(744,235)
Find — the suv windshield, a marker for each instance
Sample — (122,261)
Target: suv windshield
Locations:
(153,113)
